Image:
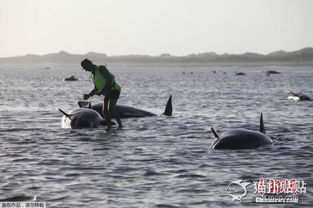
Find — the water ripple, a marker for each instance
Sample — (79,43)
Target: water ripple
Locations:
(157,161)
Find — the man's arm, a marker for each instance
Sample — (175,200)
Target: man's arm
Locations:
(92,93)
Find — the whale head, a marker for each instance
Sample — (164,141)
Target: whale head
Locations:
(82,118)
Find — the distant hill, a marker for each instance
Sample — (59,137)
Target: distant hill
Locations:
(299,57)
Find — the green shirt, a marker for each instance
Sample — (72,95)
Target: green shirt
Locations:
(103,79)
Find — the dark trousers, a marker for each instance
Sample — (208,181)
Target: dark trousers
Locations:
(109,108)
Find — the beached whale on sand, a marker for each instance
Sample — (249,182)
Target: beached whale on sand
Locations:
(126,111)
(241,138)
(298,97)
(82,118)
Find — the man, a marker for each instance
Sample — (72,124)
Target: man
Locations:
(105,85)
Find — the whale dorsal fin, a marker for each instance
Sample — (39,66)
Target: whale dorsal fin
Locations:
(84,104)
(169,108)
(66,114)
(215,133)
(294,94)
(262,128)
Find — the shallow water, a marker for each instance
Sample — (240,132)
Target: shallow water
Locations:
(157,161)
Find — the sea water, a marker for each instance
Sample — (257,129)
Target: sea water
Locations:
(156,161)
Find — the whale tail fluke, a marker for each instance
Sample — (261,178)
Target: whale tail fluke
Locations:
(262,128)
(215,133)
(169,108)
(66,114)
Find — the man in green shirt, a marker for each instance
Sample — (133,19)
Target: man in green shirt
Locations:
(105,85)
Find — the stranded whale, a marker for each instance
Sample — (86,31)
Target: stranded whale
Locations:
(269,72)
(241,138)
(126,111)
(82,118)
(298,97)
(71,78)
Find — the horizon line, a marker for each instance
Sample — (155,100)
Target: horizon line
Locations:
(165,53)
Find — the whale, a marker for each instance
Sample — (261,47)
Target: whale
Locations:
(127,111)
(298,97)
(82,118)
(269,72)
(71,78)
(241,138)
(240,73)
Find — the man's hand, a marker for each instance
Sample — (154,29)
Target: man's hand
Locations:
(86,96)
(98,93)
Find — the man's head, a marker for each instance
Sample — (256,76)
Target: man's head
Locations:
(87,64)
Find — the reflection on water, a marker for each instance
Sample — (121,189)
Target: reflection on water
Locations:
(157,161)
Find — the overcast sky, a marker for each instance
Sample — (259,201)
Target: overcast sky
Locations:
(152,27)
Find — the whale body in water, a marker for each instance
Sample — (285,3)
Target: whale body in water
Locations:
(71,78)
(82,118)
(298,97)
(127,111)
(241,138)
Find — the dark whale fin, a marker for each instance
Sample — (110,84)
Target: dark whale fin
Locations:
(169,108)
(66,114)
(294,94)
(84,104)
(262,128)
(215,133)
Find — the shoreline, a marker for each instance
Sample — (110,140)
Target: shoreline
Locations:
(47,65)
